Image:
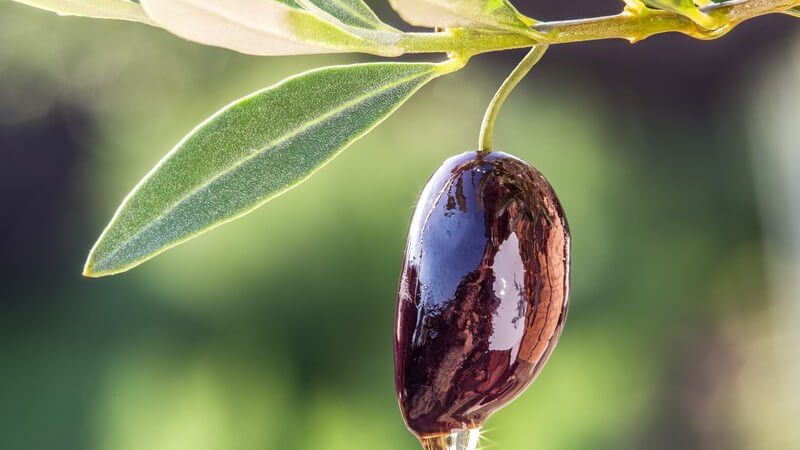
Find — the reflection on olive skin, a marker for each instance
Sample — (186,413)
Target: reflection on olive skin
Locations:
(483,293)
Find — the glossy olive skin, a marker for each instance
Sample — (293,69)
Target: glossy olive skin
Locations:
(483,293)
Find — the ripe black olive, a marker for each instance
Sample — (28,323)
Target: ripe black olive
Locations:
(483,293)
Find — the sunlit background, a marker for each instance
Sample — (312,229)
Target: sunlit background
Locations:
(676,160)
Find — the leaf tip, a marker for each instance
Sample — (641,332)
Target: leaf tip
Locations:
(89,271)
(89,274)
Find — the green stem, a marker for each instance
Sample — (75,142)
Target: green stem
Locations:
(519,72)
(633,26)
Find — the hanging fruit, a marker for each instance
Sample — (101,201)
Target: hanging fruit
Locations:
(483,294)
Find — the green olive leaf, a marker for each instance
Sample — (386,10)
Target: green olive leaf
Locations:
(99,9)
(496,14)
(266,27)
(794,11)
(353,13)
(252,151)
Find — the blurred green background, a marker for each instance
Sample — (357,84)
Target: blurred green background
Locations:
(274,332)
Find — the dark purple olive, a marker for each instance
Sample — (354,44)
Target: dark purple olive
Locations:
(483,293)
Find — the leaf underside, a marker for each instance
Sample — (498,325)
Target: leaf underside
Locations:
(277,27)
(98,9)
(497,14)
(250,152)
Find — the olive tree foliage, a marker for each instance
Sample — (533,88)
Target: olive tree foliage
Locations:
(262,145)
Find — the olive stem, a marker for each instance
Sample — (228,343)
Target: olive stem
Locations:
(633,25)
(516,75)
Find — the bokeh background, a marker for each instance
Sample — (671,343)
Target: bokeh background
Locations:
(676,161)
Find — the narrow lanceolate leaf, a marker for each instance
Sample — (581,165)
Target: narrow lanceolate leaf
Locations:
(353,13)
(99,9)
(251,151)
(497,14)
(267,27)
(794,11)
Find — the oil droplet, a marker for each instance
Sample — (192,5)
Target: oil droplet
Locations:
(457,440)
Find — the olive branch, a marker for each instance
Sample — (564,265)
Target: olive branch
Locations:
(262,145)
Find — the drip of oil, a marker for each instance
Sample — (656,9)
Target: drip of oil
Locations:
(457,440)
